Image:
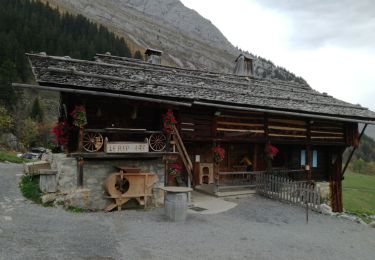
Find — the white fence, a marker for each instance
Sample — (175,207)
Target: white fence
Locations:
(284,189)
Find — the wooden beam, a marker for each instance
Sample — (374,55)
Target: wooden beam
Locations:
(287,128)
(239,124)
(80,163)
(286,135)
(239,130)
(353,150)
(308,149)
(280,112)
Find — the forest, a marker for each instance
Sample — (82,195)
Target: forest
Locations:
(32,26)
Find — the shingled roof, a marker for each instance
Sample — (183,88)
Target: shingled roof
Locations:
(111,74)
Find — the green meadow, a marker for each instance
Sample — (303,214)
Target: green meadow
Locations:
(359,193)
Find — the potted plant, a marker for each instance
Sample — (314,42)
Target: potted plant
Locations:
(61,131)
(169,122)
(79,116)
(270,151)
(79,120)
(174,170)
(218,154)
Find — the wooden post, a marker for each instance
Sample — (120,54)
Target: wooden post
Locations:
(335,181)
(255,158)
(80,172)
(268,141)
(308,150)
(80,139)
(166,171)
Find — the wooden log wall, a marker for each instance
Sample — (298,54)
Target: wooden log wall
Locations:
(231,125)
(196,124)
(328,131)
(352,135)
(245,125)
(287,128)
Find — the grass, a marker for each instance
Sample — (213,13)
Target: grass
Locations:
(10,157)
(30,189)
(75,209)
(359,194)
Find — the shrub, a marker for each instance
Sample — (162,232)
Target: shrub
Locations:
(30,189)
(6,120)
(28,132)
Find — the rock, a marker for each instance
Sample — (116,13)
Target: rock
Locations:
(170,19)
(360,221)
(10,140)
(349,217)
(47,198)
(59,201)
(79,198)
(326,210)
(372,217)
(372,224)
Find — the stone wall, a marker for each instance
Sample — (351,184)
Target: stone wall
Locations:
(92,195)
(325,191)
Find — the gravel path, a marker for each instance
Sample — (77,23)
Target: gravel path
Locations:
(257,228)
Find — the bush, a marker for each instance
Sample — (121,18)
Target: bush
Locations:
(30,189)
(28,134)
(6,120)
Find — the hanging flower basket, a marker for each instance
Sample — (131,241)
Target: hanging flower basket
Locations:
(271,151)
(169,122)
(174,169)
(218,153)
(61,131)
(79,116)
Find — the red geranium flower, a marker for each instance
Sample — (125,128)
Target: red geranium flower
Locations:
(219,154)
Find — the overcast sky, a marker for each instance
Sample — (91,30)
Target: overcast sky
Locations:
(331,43)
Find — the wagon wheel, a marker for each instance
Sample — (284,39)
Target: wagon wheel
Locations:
(92,142)
(157,142)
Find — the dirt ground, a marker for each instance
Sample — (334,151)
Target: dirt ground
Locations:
(257,228)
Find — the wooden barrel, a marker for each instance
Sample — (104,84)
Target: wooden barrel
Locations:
(175,205)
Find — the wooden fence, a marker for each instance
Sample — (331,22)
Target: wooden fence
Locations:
(233,180)
(284,189)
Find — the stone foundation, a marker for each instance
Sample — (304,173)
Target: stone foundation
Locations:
(92,195)
(325,192)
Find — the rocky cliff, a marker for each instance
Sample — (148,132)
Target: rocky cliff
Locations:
(187,39)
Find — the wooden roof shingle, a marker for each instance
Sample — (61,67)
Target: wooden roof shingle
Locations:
(111,74)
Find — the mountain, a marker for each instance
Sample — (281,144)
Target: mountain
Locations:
(186,38)
(31,26)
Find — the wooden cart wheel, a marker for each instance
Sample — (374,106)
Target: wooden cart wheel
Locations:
(92,142)
(157,142)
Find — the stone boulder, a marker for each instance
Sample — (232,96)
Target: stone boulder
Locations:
(372,224)
(326,210)
(80,198)
(48,198)
(10,141)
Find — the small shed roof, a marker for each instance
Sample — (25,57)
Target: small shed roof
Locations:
(150,51)
(111,74)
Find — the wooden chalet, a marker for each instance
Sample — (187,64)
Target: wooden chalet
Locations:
(126,98)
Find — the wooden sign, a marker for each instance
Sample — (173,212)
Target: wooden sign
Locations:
(126,147)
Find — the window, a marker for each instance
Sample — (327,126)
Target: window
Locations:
(314,158)
(303,157)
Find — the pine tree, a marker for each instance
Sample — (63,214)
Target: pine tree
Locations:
(138,55)
(32,26)
(36,111)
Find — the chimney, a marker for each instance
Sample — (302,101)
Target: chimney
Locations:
(153,56)
(244,65)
